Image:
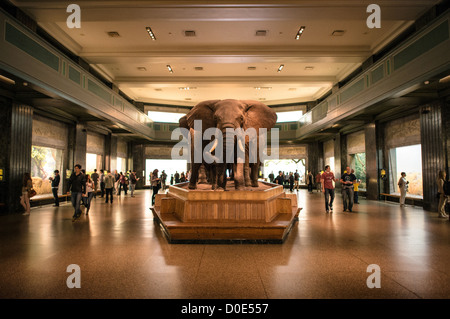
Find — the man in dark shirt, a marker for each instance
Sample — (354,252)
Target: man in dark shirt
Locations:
(347,180)
(77,184)
(55,184)
(279,179)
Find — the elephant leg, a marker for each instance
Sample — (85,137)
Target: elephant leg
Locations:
(221,176)
(194,175)
(247,178)
(238,169)
(212,176)
(254,174)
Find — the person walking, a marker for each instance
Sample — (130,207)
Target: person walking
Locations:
(403,187)
(122,183)
(76,185)
(102,183)
(319,185)
(55,185)
(297,180)
(309,181)
(27,186)
(89,193)
(133,182)
(109,185)
(327,181)
(291,182)
(154,182)
(442,196)
(347,180)
(94,178)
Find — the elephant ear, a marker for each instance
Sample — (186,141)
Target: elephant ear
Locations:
(203,111)
(259,115)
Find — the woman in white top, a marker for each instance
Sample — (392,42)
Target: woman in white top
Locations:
(403,186)
(89,193)
(442,197)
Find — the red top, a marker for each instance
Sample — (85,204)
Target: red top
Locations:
(328,180)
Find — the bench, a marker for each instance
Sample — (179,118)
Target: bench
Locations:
(408,199)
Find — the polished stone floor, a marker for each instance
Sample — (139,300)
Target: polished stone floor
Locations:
(122,253)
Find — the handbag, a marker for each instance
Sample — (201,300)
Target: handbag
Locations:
(31,193)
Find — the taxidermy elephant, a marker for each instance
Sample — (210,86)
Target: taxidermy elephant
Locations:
(223,115)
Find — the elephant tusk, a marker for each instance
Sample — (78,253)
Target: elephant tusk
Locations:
(216,141)
(241,147)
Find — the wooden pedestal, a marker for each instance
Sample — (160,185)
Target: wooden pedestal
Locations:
(262,214)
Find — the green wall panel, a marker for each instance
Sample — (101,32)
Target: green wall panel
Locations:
(31,47)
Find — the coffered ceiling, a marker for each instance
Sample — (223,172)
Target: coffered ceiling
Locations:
(224,49)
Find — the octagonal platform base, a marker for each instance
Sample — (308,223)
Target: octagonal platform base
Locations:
(254,215)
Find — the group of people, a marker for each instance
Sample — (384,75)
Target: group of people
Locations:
(158,182)
(83,187)
(347,180)
(292,180)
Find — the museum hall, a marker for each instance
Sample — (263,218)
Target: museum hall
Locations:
(224,150)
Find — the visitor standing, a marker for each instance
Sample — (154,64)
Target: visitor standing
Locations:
(94,178)
(442,196)
(109,185)
(279,179)
(27,186)
(55,185)
(177,177)
(271,177)
(327,181)
(356,189)
(133,182)
(403,187)
(163,179)
(154,182)
(89,193)
(76,185)
(347,180)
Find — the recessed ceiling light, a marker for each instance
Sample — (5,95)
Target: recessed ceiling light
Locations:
(113,34)
(338,33)
(187,88)
(300,32)
(189,33)
(280,67)
(169,68)
(150,33)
